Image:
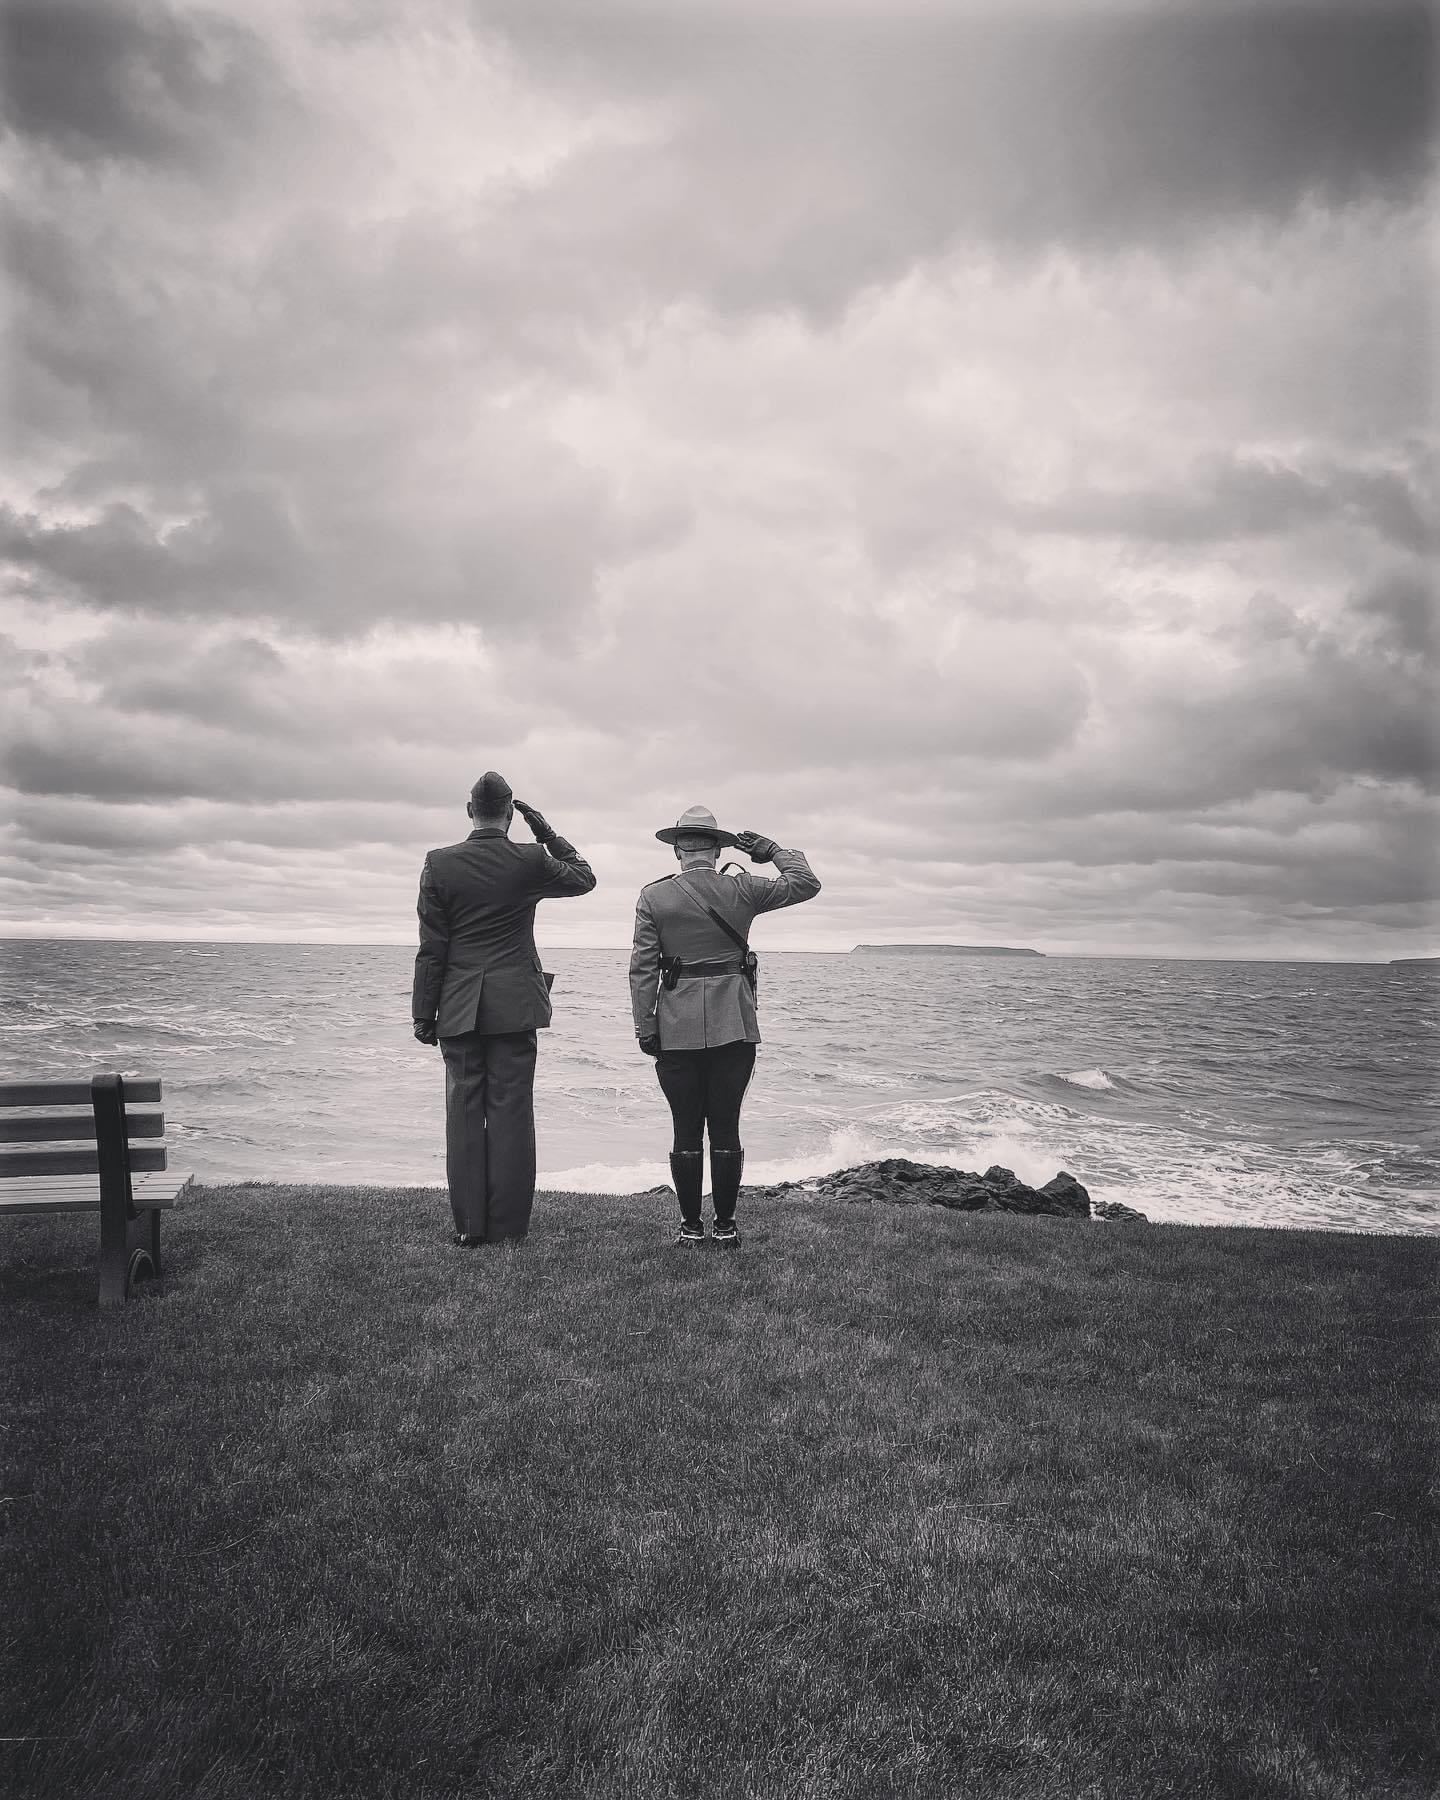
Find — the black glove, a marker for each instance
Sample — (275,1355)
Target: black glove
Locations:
(543,833)
(757,848)
(425,1032)
(650,1045)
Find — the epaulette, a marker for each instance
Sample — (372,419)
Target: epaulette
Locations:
(657,881)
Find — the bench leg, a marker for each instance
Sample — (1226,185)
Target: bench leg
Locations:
(129,1237)
(114,1247)
(107,1098)
(139,1259)
(129,1252)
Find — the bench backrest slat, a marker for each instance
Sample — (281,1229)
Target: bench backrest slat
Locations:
(33,1128)
(138,1088)
(77,1162)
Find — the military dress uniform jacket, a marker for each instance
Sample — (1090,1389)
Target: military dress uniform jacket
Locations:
(477,968)
(713,1005)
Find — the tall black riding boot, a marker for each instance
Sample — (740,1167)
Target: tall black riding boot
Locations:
(687,1171)
(725,1171)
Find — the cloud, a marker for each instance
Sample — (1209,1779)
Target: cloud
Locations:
(989,448)
(1238,497)
(152,711)
(242,557)
(94,80)
(1402,607)
(837,147)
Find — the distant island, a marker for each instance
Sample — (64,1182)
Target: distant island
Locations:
(1405,962)
(941,950)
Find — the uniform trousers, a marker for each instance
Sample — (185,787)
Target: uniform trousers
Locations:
(490,1131)
(706,1087)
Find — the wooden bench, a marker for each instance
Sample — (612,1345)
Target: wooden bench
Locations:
(127,1183)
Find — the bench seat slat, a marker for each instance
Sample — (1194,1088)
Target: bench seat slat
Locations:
(74,1162)
(33,1128)
(139,1089)
(76,1193)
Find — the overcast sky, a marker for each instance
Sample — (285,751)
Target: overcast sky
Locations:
(988,447)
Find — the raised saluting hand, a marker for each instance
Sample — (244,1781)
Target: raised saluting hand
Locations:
(758,849)
(544,833)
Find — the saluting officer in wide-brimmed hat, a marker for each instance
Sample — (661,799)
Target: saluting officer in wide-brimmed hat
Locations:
(692,986)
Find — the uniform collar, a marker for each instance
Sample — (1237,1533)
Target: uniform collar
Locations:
(488,831)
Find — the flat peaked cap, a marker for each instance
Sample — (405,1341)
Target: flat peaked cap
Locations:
(696,821)
(491,794)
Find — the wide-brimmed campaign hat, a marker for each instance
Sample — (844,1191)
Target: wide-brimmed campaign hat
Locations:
(697,821)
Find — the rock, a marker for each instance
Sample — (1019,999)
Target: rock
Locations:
(1118,1213)
(1068,1195)
(896,1181)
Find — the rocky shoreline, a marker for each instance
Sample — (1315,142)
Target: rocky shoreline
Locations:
(896,1181)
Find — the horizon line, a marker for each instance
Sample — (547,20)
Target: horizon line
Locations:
(1380,962)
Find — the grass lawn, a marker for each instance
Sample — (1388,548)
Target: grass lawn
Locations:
(889,1502)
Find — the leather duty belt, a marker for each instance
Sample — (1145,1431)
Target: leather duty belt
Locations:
(716,965)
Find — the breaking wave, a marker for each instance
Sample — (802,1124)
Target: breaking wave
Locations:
(1096,1079)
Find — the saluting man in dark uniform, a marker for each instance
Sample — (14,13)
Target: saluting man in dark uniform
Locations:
(692,987)
(481,993)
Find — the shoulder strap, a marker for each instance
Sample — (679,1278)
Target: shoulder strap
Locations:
(724,924)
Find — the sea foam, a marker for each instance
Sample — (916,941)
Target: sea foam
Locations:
(1089,1078)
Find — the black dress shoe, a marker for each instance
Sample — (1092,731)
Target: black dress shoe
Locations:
(464,1240)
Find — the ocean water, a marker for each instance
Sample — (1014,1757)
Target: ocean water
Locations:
(1238,1093)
